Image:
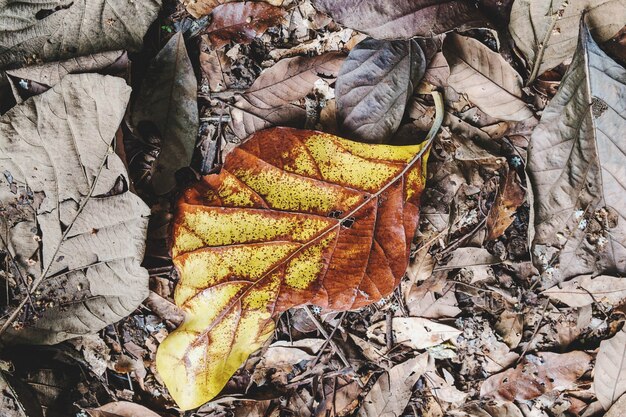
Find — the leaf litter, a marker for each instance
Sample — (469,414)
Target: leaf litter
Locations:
(497,315)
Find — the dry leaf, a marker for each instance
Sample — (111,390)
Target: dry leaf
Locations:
(167,102)
(70,28)
(269,101)
(617,409)
(71,225)
(586,289)
(537,375)
(434,298)
(488,409)
(374,85)
(546,31)
(510,196)
(284,224)
(609,379)
(392,391)
(241,22)
(577,167)
(487,79)
(283,353)
(510,326)
(199,8)
(416,332)
(438,71)
(16,400)
(121,409)
(403,19)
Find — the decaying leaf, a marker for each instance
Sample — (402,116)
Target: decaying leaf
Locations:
(69,222)
(577,166)
(32,31)
(392,391)
(537,375)
(617,409)
(546,31)
(586,289)
(510,326)
(121,409)
(241,22)
(510,196)
(416,332)
(285,223)
(167,102)
(403,19)
(488,409)
(487,79)
(609,379)
(270,100)
(374,85)
(199,8)
(16,400)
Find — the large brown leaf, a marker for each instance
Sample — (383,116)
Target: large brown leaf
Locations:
(577,167)
(50,30)
(403,19)
(73,233)
(294,217)
(609,380)
(374,85)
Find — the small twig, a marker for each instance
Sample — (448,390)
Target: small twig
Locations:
(537,327)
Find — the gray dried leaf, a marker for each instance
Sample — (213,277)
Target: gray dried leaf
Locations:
(73,232)
(270,101)
(32,31)
(577,167)
(487,79)
(168,101)
(403,19)
(587,289)
(546,31)
(609,379)
(374,85)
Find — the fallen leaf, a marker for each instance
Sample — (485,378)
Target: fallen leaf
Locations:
(577,167)
(71,225)
(618,407)
(392,391)
(488,409)
(16,400)
(200,8)
(403,19)
(294,227)
(537,375)
(470,257)
(438,71)
(586,289)
(291,353)
(167,101)
(546,32)
(374,85)
(510,326)
(416,332)
(509,197)
(444,390)
(269,101)
(487,79)
(241,22)
(121,409)
(434,298)
(29,29)
(609,379)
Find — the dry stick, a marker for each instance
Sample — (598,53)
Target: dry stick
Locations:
(537,327)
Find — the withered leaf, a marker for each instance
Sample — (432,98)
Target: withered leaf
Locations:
(374,85)
(416,332)
(121,409)
(577,167)
(167,101)
(403,19)
(546,31)
(509,197)
(32,31)
(609,380)
(537,375)
(241,22)
(487,79)
(285,223)
(70,223)
(587,289)
(270,100)
(199,8)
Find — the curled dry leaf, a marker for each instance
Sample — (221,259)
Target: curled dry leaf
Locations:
(416,332)
(241,22)
(199,8)
(487,79)
(167,102)
(88,26)
(546,31)
(374,85)
(509,197)
(587,289)
(403,19)
(121,409)
(392,391)
(70,222)
(285,223)
(609,379)
(537,375)
(270,100)
(577,167)
(510,326)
